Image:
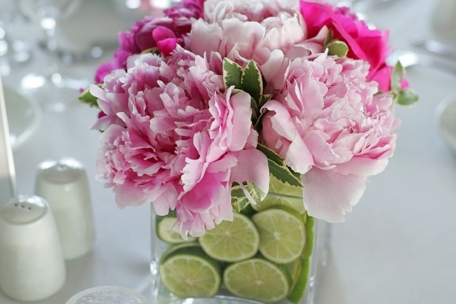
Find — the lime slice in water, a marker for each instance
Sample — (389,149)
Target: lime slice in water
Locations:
(190,274)
(300,276)
(231,241)
(257,279)
(282,234)
(168,232)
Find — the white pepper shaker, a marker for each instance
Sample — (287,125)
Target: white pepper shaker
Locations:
(32,266)
(64,185)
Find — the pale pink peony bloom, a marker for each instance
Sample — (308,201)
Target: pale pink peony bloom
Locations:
(175,137)
(329,125)
(268,32)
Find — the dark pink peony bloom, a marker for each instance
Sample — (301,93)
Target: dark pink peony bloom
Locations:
(364,43)
(163,33)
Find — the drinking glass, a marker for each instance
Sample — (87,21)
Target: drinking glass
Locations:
(12,51)
(50,87)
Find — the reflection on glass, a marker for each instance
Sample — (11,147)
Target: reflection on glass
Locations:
(52,89)
(12,51)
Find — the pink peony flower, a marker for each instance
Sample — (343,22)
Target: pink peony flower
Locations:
(363,42)
(329,125)
(175,137)
(263,31)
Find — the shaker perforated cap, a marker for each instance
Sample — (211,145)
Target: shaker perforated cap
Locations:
(62,171)
(23,210)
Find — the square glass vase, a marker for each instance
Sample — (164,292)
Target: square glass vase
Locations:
(271,252)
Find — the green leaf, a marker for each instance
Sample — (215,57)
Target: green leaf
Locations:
(238,198)
(252,82)
(328,39)
(264,99)
(88,98)
(231,74)
(407,97)
(153,50)
(255,110)
(284,174)
(396,77)
(278,169)
(337,48)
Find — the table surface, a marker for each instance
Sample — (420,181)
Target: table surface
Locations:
(396,246)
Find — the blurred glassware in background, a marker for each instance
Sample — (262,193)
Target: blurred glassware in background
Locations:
(143,7)
(443,22)
(13,52)
(53,90)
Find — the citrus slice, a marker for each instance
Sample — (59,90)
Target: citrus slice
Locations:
(281,194)
(191,274)
(168,232)
(231,241)
(300,279)
(257,279)
(282,234)
(181,247)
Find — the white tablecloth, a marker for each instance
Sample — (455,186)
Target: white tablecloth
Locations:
(397,246)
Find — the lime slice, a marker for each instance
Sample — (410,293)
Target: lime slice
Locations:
(191,274)
(168,232)
(181,248)
(231,241)
(282,234)
(300,268)
(300,279)
(281,195)
(310,235)
(257,279)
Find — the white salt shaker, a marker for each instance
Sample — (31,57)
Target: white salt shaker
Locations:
(32,266)
(64,185)
(108,294)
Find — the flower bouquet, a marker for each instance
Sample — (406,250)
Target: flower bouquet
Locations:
(242,122)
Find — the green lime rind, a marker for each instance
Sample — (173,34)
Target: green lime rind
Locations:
(294,268)
(192,247)
(168,232)
(310,235)
(257,279)
(190,274)
(231,241)
(300,283)
(282,234)
(248,210)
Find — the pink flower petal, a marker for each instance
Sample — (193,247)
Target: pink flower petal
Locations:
(328,194)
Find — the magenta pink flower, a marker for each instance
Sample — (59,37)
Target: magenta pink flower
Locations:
(363,42)
(328,124)
(175,137)
(162,32)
